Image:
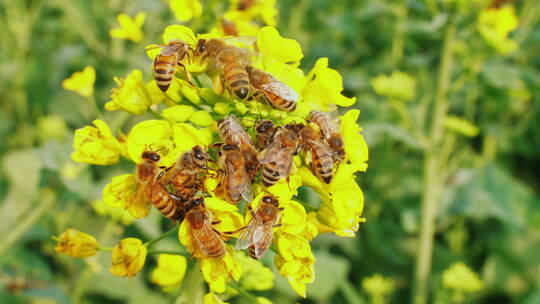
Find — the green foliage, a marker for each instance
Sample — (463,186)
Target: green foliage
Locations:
(488,206)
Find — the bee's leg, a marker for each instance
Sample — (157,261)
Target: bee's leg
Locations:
(281,208)
(216,222)
(187,74)
(234,231)
(251,210)
(277,225)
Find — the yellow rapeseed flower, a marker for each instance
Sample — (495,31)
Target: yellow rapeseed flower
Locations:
(187,136)
(121,189)
(185,10)
(128,257)
(460,125)
(131,94)
(495,24)
(217,272)
(81,82)
(356,149)
(398,85)
(323,88)
(274,48)
(202,118)
(178,113)
(343,200)
(95,145)
(130,28)
(461,278)
(76,244)
(299,269)
(152,134)
(170,270)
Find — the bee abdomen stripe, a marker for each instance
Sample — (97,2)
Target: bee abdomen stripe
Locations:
(240,83)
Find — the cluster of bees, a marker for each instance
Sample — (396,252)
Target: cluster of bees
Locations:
(178,191)
(233,65)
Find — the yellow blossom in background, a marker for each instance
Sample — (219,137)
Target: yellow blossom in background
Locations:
(185,10)
(323,88)
(264,9)
(152,134)
(255,276)
(461,278)
(128,257)
(495,24)
(398,85)
(170,270)
(52,127)
(130,28)
(95,145)
(131,94)
(81,82)
(460,125)
(378,287)
(76,244)
(116,213)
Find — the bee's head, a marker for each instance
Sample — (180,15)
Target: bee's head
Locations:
(151,156)
(264,125)
(268,199)
(200,156)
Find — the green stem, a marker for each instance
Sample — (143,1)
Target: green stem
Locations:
(398,39)
(432,184)
(350,293)
(95,107)
(242,292)
(159,238)
(173,252)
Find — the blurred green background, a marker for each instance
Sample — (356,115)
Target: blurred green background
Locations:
(477,177)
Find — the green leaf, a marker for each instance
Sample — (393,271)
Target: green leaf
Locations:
(332,271)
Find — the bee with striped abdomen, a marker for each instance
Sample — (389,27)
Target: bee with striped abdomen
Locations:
(151,191)
(276,159)
(166,61)
(322,159)
(205,240)
(330,132)
(235,183)
(257,235)
(231,61)
(265,133)
(278,94)
(233,133)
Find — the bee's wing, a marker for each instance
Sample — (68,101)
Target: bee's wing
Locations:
(251,234)
(265,240)
(201,237)
(271,152)
(285,166)
(239,134)
(280,89)
(246,188)
(142,202)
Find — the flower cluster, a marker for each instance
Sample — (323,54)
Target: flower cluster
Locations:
(495,25)
(185,127)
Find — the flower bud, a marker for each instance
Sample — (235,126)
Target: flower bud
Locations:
(128,257)
(76,244)
(131,95)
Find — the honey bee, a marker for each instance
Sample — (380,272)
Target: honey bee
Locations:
(166,61)
(257,235)
(231,62)
(233,133)
(149,190)
(235,183)
(322,159)
(265,132)
(330,132)
(205,239)
(276,158)
(229,28)
(183,175)
(279,95)
(244,5)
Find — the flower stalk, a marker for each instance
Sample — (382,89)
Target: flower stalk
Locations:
(433,181)
(159,238)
